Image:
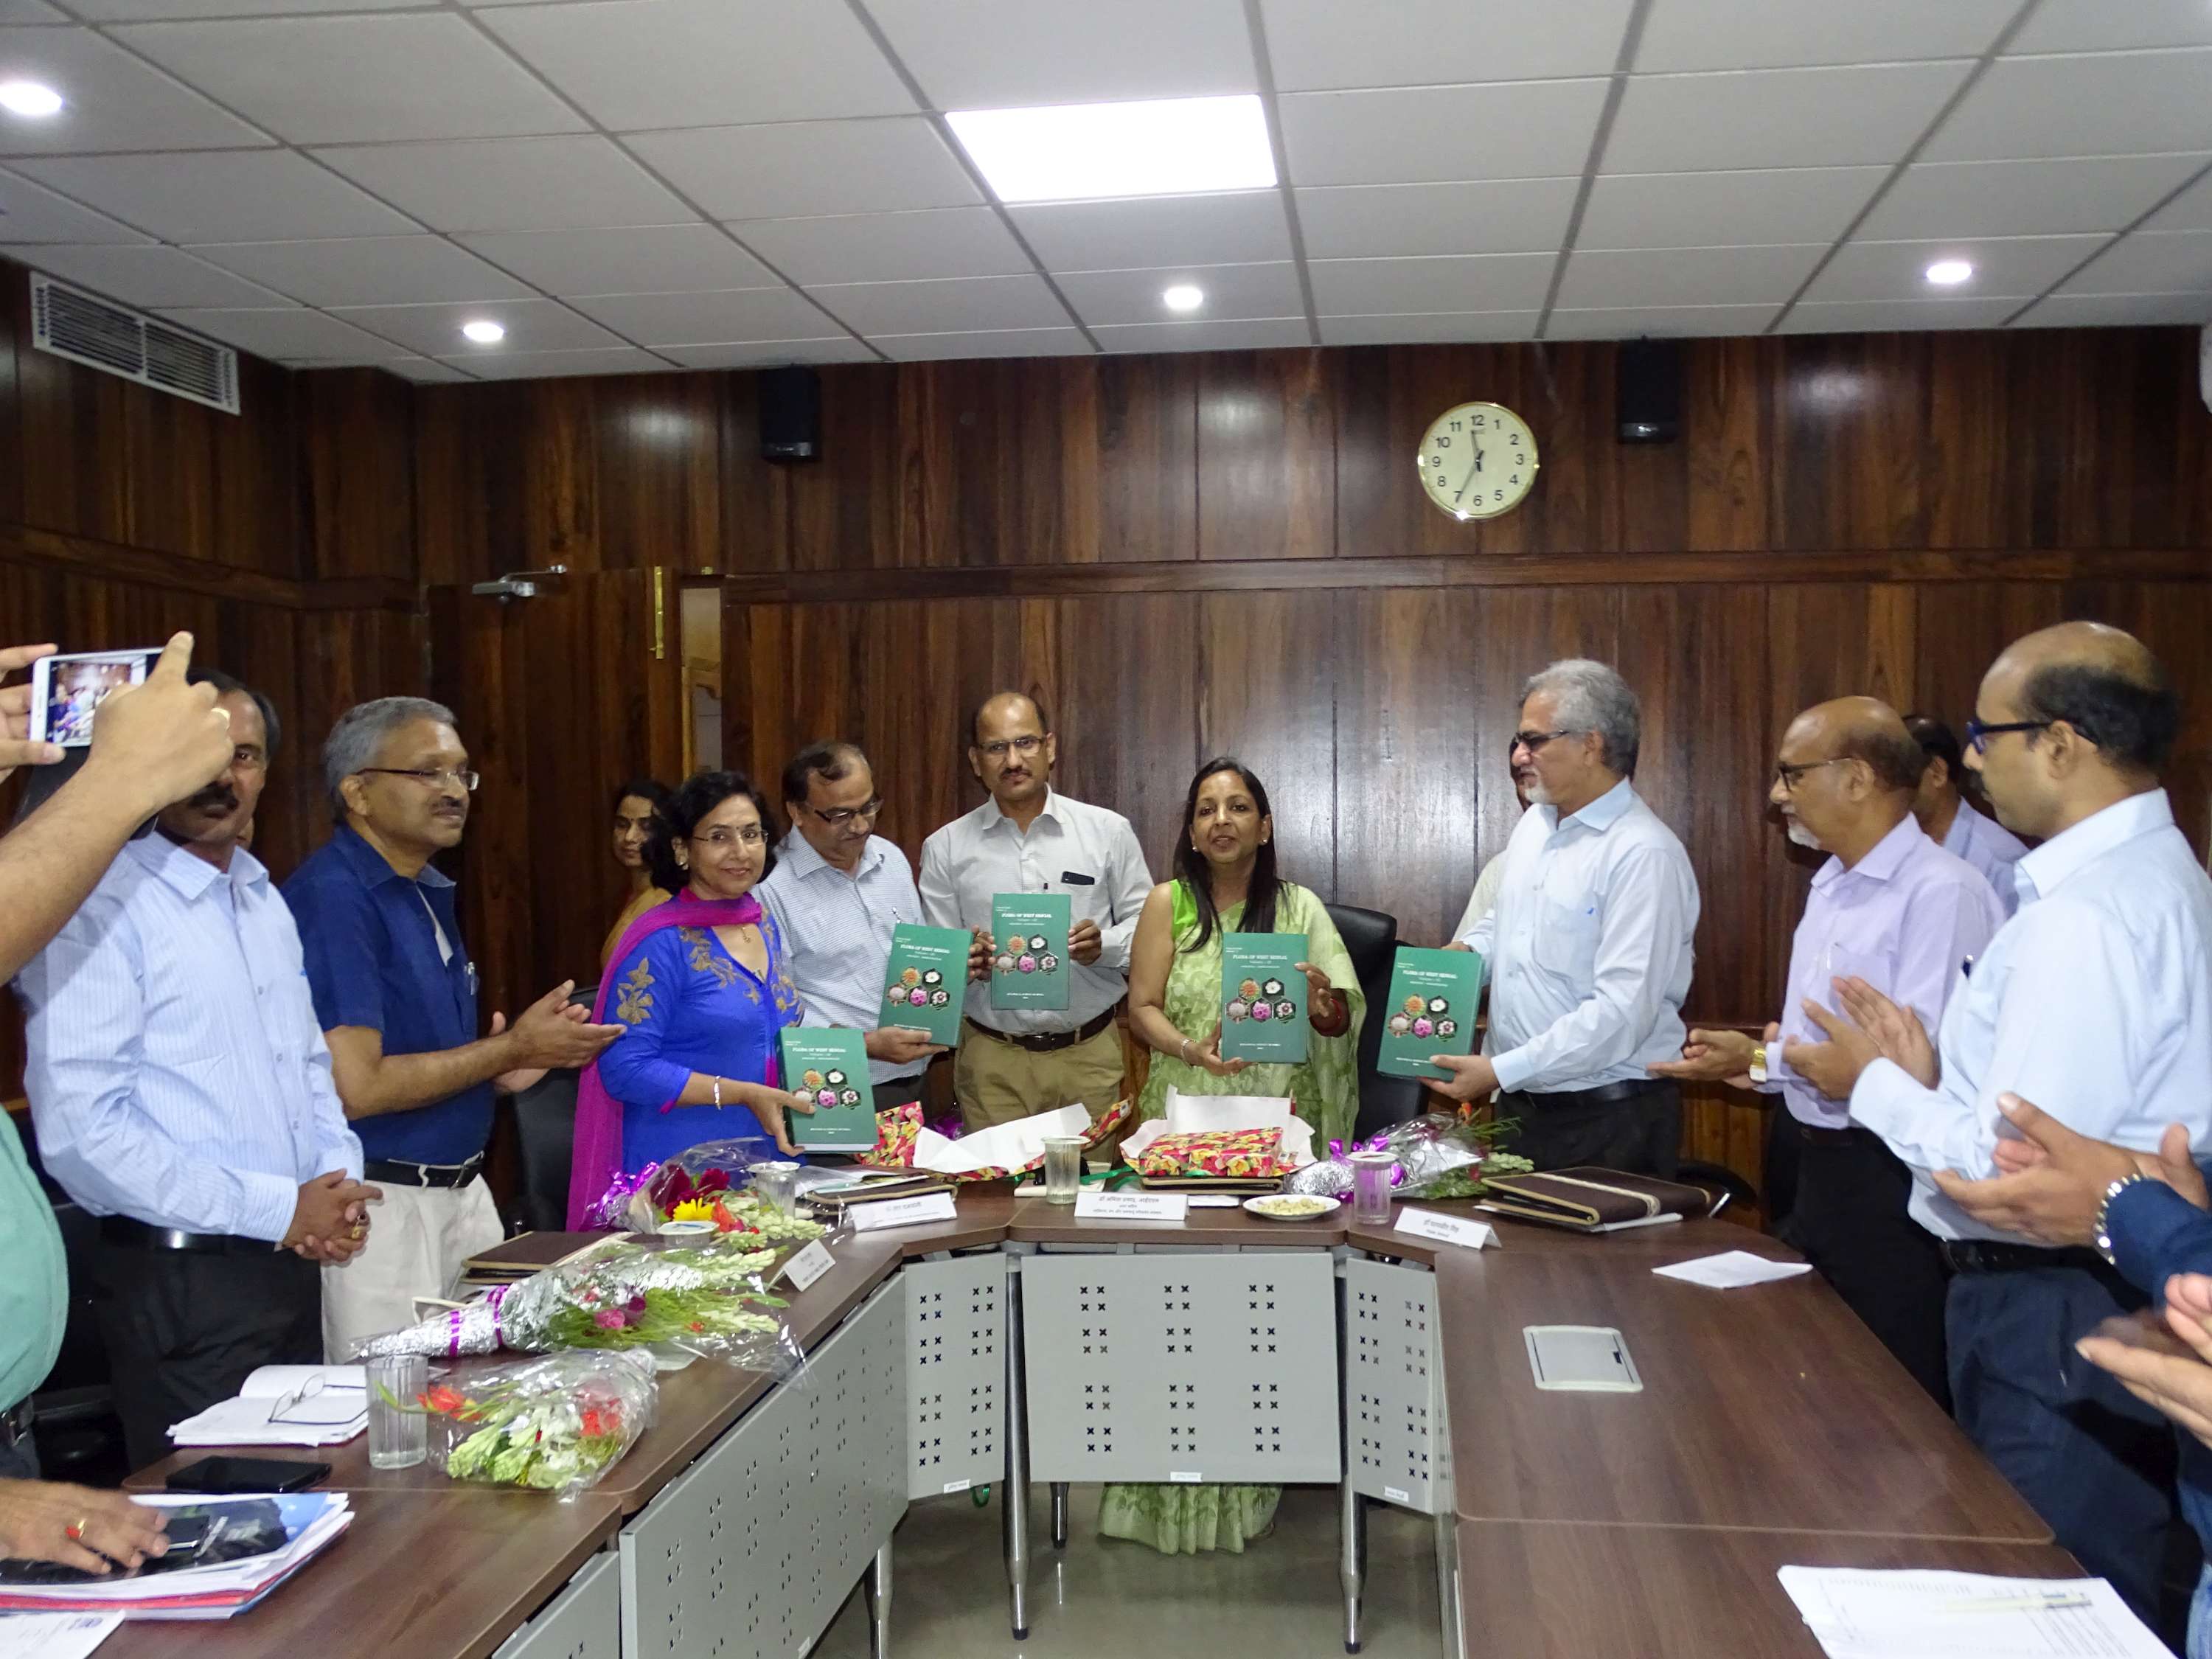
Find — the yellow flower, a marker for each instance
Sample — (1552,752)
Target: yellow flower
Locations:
(692,1210)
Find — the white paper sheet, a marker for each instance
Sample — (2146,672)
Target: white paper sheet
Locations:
(1860,1613)
(1003,1146)
(54,1635)
(1732,1269)
(1190,1115)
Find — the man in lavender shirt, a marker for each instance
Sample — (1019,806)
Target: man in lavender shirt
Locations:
(1891,908)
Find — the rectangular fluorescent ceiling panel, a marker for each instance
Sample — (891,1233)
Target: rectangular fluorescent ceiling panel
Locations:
(1084,152)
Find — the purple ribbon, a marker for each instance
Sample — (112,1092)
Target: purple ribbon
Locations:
(609,1211)
(1379,1142)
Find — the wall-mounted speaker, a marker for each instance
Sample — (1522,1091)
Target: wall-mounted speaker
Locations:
(1648,391)
(790,414)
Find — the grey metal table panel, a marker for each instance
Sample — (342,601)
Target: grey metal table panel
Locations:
(1394,1387)
(955,1380)
(584,1621)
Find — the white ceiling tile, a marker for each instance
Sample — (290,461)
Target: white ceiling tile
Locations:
(805,168)
(768,354)
(358,79)
(115,101)
(30,212)
(222,196)
(1419,135)
(1870,317)
(972,304)
(1725,34)
(1318,44)
(1656,322)
(148,277)
(367,271)
(1599,279)
(1498,282)
(1248,334)
(734,314)
(578,183)
(1415,328)
(2113,310)
(2190,210)
(533,325)
(1231,292)
(154,11)
(426,371)
(1239,227)
(887,247)
(2105,25)
(999,54)
(2162,262)
(1788,118)
(2020,266)
(2025,198)
(2128,103)
(1513,216)
(633,64)
(1724,210)
(552,365)
(1002,343)
(283,336)
(634,259)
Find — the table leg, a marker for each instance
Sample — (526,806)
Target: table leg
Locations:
(1351,1568)
(1060,1515)
(879,1583)
(1018,1465)
(1448,1583)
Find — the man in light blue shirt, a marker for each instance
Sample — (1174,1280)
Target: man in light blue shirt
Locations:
(181,1090)
(2094,1002)
(1951,821)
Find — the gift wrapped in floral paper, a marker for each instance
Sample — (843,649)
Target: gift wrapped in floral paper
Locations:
(1229,1154)
(556,1424)
(899,1136)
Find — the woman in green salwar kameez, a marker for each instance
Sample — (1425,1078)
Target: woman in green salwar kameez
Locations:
(1225,881)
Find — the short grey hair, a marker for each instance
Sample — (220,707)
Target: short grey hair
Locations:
(360,733)
(1592,697)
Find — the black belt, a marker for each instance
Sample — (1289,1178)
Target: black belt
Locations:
(16,1425)
(1822,1135)
(1047,1042)
(1605,1094)
(1979,1256)
(401,1173)
(138,1236)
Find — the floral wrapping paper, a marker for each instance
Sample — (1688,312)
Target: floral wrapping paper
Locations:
(897,1130)
(1231,1154)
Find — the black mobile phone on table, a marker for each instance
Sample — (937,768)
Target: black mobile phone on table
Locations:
(247,1474)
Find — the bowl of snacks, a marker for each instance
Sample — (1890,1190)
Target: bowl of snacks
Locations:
(1292,1206)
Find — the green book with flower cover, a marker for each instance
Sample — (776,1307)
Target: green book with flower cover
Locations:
(1263,997)
(1029,969)
(926,979)
(1430,1011)
(830,1063)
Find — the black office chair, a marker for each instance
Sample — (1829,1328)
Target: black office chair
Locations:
(546,1125)
(1722,1186)
(1370,938)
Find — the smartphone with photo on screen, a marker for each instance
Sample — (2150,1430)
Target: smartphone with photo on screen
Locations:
(66,691)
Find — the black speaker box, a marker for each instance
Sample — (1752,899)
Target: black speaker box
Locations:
(1648,391)
(790,414)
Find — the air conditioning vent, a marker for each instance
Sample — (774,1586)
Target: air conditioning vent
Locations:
(86,329)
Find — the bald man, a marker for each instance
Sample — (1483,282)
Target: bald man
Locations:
(1893,908)
(2095,1002)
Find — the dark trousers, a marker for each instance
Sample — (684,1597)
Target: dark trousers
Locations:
(184,1328)
(1849,1220)
(20,1461)
(2091,1459)
(890,1096)
(1640,1135)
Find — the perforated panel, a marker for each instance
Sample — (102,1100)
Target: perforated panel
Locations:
(584,1621)
(1394,1387)
(749,1554)
(1204,1367)
(955,1373)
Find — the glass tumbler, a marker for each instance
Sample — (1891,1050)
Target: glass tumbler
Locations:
(1370,1188)
(777,1182)
(1063,1168)
(399,1427)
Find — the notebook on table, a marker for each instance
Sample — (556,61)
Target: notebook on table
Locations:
(1588,1199)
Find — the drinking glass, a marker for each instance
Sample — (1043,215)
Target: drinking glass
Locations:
(1063,1168)
(777,1182)
(399,1427)
(1370,1188)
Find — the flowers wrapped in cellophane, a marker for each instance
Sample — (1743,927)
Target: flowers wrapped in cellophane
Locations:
(1439,1154)
(710,1181)
(556,1424)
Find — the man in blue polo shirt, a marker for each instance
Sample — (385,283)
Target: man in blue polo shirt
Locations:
(396,994)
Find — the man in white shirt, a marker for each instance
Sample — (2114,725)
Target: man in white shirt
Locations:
(1589,947)
(1484,899)
(1951,821)
(2094,1002)
(1029,838)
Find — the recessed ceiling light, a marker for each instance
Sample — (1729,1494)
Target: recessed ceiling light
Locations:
(29,98)
(1184,297)
(484,332)
(1081,152)
(1949,273)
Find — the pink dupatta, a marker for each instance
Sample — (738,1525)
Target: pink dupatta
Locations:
(597,1157)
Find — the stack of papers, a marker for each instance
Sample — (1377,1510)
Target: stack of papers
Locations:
(1858,1614)
(284,1406)
(1732,1269)
(55,1635)
(254,1545)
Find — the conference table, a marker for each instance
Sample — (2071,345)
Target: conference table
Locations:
(1017,1343)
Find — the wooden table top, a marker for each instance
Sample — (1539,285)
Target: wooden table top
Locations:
(451,1574)
(1591,1592)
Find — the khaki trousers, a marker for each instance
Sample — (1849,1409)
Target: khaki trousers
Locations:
(419,1238)
(997,1083)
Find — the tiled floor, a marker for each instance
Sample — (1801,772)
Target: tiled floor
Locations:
(1108,1600)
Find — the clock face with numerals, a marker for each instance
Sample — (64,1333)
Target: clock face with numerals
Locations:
(1477,460)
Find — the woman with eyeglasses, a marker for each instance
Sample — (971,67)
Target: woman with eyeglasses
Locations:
(638,805)
(701,986)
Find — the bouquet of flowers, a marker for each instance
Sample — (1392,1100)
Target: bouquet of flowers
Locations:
(708,1183)
(553,1425)
(1440,1155)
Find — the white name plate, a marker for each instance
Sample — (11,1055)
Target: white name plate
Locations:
(808,1265)
(1094,1205)
(900,1212)
(1444,1229)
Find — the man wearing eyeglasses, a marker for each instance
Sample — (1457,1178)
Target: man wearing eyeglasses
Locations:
(1029,838)
(837,891)
(396,996)
(1589,945)
(1950,818)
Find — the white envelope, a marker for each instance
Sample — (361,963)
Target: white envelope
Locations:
(1005,1146)
(1190,1115)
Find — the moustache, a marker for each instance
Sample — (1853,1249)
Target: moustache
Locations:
(214,799)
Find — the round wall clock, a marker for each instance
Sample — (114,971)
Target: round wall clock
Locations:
(1477,460)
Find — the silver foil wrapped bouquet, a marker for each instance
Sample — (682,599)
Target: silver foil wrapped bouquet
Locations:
(1439,1155)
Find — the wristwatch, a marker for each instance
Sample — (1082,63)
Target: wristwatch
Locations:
(1758,1063)
(2105,1209)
